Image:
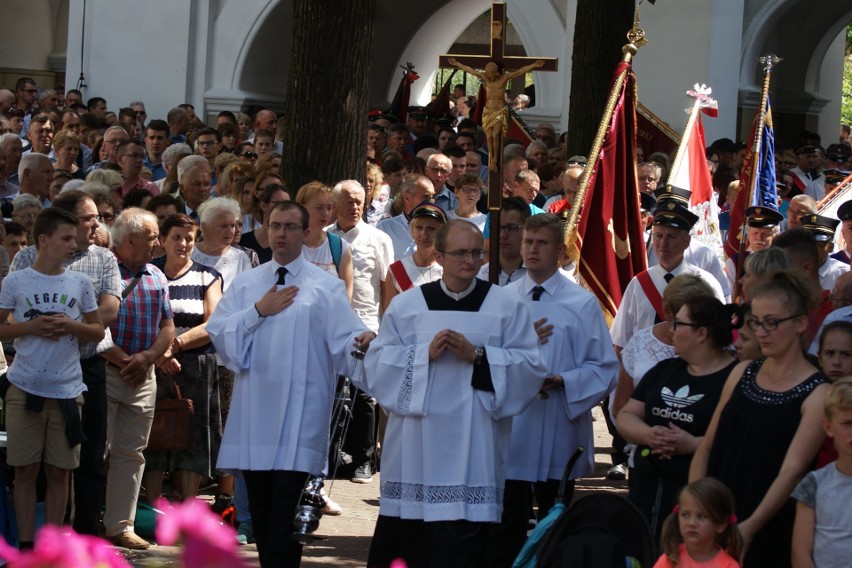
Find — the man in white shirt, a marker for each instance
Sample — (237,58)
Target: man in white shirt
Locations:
(277,432)
(372,255)
(582,369)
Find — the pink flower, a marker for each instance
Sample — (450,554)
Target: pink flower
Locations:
(63,548)
(207,541)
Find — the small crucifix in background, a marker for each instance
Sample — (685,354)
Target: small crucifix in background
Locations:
(498,70)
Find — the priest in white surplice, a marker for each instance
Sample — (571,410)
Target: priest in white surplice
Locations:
(582,370)
(286,329)
(454,361)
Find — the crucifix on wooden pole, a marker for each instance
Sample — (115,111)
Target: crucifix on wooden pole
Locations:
(498,69)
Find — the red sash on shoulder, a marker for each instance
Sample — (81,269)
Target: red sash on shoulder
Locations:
(398,271)
(652,293)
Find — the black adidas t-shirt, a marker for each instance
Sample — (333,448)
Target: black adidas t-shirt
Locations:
(672,395)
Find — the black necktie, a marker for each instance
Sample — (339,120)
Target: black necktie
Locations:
(668,277)
(537,291)
(193,215)
(282,272)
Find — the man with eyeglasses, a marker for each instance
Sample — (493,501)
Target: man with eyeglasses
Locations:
(800,205)
(648,174)
(208,143)
(415,190)
(438,170)
(282,306)
(25,92)
(113,136)
(130,156)
(101,266)
(514,212)
(458,351)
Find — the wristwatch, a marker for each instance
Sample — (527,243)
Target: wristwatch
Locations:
(478,354)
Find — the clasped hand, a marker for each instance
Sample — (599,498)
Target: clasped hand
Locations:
(455,342)
(668,441)
(52,326)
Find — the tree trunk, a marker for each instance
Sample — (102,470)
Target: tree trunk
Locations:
(599,35)
(326,102)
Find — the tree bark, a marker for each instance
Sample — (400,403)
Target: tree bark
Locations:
(599,35)
(326,102)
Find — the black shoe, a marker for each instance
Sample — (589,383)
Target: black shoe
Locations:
(617,472)
(362,474)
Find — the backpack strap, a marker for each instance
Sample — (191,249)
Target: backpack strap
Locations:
(398,271)
(336,246)
(651,292)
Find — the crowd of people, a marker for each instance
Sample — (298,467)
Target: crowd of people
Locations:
(146,259)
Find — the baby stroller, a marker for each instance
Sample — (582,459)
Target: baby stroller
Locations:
(598,531)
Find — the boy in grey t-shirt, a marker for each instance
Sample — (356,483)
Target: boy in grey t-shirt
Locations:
(53,308)
(822,534)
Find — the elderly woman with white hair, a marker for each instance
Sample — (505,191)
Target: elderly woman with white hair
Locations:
(218,219)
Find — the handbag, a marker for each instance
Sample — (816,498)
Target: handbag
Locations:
(173,428)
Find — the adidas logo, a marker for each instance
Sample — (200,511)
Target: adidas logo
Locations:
(681,398)
(678,400)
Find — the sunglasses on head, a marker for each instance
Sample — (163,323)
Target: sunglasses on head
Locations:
(377,127)
(249,155)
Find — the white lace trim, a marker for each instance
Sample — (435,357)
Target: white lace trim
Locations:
(441,494)
(406,388)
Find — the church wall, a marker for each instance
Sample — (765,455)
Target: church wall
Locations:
(690,41)
(135,53)
(26,39)
(831,84)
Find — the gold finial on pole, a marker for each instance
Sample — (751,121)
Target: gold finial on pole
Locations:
(636,38)
(768,61)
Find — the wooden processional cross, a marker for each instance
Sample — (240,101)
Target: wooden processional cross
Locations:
(508,64)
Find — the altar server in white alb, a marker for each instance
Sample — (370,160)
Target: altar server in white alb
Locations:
(581,371)
(286,329)
(455,359)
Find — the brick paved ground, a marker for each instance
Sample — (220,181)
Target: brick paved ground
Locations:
(344,541)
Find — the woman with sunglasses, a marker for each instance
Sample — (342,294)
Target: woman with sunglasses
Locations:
(767,427)
(673,404)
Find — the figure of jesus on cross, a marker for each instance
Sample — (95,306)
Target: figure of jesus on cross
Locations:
(495,113)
